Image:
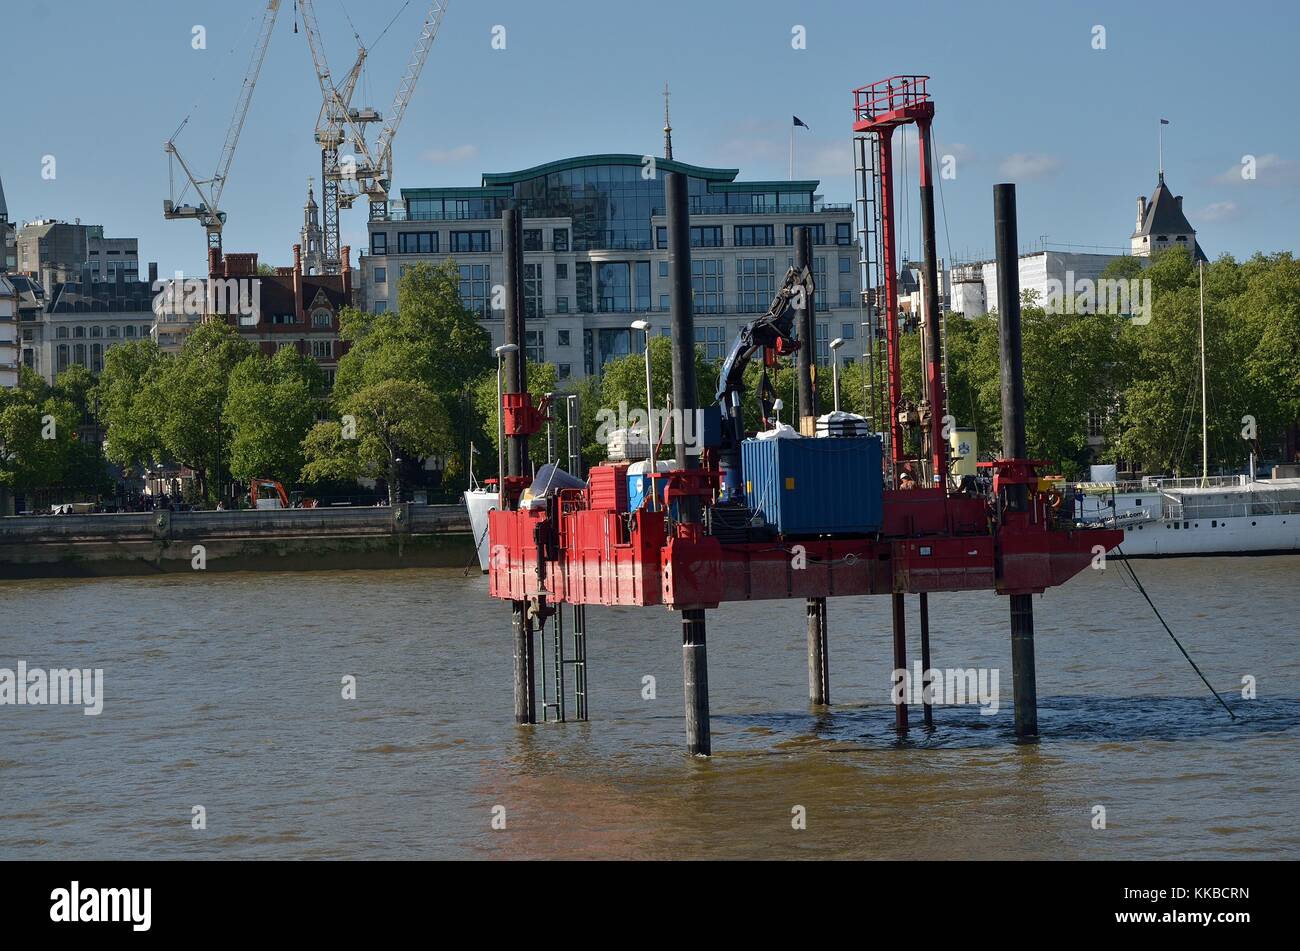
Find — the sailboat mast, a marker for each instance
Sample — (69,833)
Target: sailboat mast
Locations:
(1205,428)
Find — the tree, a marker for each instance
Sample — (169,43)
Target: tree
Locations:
(395,420)
(431,338)
(125,403)
(188,393)
(270,407)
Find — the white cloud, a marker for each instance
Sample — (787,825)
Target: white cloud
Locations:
(1269,169)
(1029,165)
(1217,211)
(460,153)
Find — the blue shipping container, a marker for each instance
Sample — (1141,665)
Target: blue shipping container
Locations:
(812,486)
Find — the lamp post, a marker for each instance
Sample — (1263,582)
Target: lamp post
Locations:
(835,369)
(501,352)
(777,406)
(644,326)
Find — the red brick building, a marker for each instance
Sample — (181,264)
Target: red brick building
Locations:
(287,309)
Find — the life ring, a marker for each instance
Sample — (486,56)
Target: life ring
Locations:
(1054,499)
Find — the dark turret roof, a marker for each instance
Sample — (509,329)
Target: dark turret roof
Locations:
(1164,215)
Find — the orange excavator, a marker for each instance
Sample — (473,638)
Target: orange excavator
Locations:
(277,499)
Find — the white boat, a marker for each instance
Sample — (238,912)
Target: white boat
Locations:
(1221,515)
(479,502)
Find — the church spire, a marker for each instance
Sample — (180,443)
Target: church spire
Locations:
(668,127)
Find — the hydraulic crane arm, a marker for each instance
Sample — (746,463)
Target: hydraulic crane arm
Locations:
(775,329)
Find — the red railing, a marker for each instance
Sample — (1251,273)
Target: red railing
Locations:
(889,95)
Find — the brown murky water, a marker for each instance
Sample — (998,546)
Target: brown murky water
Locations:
(224,691)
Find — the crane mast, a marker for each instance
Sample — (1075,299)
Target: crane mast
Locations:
(208,212)
(370,172)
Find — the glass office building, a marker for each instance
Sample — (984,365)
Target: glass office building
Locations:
(595,252)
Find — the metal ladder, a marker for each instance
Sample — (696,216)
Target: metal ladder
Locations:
(554,706)
(866,151)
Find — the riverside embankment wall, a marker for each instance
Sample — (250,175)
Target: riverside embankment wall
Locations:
(138,543)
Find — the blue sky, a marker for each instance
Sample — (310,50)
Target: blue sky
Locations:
(1021,95)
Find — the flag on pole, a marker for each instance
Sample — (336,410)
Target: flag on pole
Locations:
(1162,121)
(797,122)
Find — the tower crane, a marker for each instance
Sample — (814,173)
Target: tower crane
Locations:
(208,212)
(371,171)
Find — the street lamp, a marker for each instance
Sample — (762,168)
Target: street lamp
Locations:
(777,406)
(835,369)
(501,351)
(644,326)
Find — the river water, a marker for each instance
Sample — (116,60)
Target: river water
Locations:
(224,691)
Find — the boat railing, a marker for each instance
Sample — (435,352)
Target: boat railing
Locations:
(1157,483)
(1182,508)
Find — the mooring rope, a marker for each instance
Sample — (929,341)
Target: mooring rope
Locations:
(1160,617)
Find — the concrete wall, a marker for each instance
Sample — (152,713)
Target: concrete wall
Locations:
(291,539)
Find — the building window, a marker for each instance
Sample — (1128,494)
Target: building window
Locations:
(476,287)
(823,343)
(61,333)
(417,242)
(706,285)
(96,331)
(381,307)
(661,237)
(642,285)
(563,371)
(128,332)
(320,317)
(712,338)
(613,287)
(1097,426)
(754,236)
(462,241)
(532,239)
(379,242)
(818,233)
(381,275)
(322,349)
(533,290)
(663,303)
(97,357)
(846,298)
(562,338)
(561,271)
(79,354)
(663,268)
(534,346)
(561,305)
(844,232)
(846,331)
(281,319)
(755,284)
(112,331)
(582,284)
(846,264)
(706,236)
(79,332)
(560,238)
(61,361)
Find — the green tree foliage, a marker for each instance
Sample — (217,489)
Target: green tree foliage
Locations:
(270,407)
(39,444)
(125,405)
(395,419)
(430,338)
